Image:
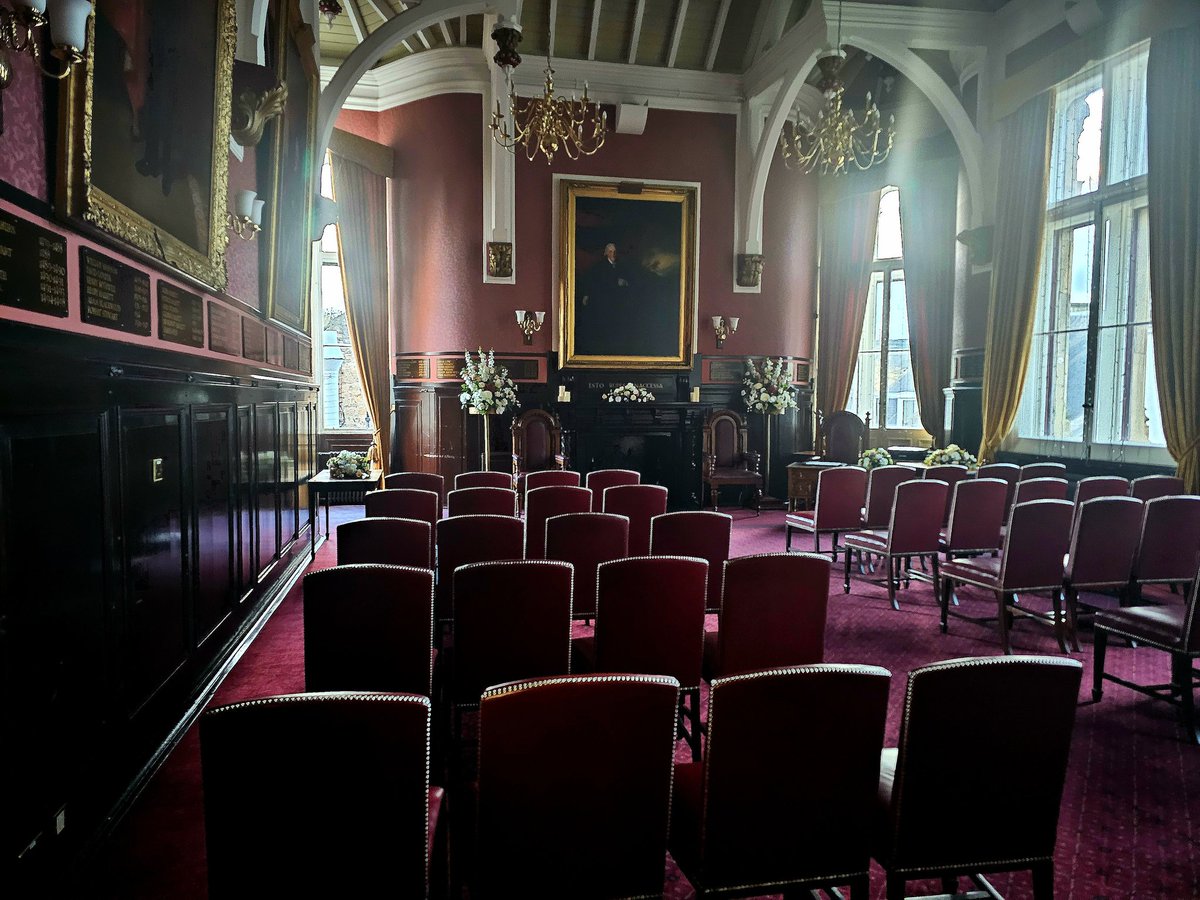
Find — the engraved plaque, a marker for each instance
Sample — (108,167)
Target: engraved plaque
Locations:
(520,369)
(180,315)
(274,347)
(448,368)
(224,330)
(254,340)
(726,371)
(33,267)
(412,368)
(113,294)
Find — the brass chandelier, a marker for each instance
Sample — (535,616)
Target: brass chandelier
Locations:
(549,123)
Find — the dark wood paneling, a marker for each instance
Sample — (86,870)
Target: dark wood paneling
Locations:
(266,480)
(246,516)
(213,485)
(289,514)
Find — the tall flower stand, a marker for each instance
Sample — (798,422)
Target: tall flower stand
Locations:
(487,437)
(767,501)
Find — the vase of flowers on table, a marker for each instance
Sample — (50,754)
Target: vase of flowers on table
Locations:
(874,458)
(627,393)
(951,455)
(487,390)
(348,464)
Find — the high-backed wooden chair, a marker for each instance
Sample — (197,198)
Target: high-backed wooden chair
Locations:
(842,436)
(536,445)
(639,503)
(585,540)
(463,540)
(728,458)
(695,532)
(385,541)
(541,504)
(601,479)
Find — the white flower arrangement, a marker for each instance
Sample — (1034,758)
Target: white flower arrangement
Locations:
(874,458)
(487,388)
(628,393)
(951,455)
(768,389)
(349,465)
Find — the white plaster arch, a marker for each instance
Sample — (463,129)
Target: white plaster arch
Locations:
(252,29)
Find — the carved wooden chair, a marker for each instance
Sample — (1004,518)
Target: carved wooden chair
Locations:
(727,457)
(842,437)
(536,445)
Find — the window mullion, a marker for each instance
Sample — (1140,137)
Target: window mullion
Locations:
(885,329)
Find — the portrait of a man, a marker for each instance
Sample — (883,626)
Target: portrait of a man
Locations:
(630,286)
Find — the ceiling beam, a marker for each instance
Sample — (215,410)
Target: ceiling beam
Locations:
(596,4)
(424,38)
(768,29)
(638,15)
(385,12)
(553,25)
(714,42)
(446,35)
(356,21)
(677,34)
(462,30)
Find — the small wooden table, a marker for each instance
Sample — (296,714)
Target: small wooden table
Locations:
(802,482)
(325,483)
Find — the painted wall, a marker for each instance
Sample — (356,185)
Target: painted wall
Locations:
(23,139)
(440,301)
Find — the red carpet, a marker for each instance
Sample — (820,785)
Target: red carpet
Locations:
(1130,824)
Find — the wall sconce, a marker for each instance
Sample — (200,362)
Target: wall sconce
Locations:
(723,331)
(531,323)
(246,219)
(20,32)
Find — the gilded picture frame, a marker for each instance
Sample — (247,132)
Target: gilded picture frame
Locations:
(290,147)
(138,158)
(627,274)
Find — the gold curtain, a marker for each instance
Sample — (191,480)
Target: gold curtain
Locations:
(1173,184)
(363,250)
(1016,258)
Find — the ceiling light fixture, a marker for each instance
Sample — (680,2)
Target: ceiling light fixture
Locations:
(330,10)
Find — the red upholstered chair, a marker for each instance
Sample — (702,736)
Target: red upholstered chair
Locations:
(483,479)
(472,539)
(1101,486)
(405,503)
(1040,489)
(640,503)
(1039,534)
(348,779)
(541,504)
(551,478)
(511,620)
(369,628)
(650,618)
(586,540)
(389,542)
(536,445)
(575,787)
(728,459)
(950,474)
(421,481)
(695,533)
(1019,712)
(802,826)
(977,513)
(1104,543)
(1042,470)
(841,496)
(481,501)
(881,491)
(1150,487)
(1010,473)
(1171,628)
(913,529)
(597,481)
(1169,547)
(772,614)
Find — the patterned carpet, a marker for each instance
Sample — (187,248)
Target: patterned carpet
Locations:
(1130,823)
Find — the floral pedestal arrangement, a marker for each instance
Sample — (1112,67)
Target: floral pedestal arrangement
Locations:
(349,465)
(487,390)
(768,389)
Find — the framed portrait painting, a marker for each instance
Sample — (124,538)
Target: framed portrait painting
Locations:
(144,130)
(627,274)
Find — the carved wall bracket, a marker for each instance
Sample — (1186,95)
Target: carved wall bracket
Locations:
(499,259)
(749,269)
(253,110)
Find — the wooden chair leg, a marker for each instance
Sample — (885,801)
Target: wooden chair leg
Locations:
(787,538)
(847,585)
(944,595)
(1043,881)
(1060,624)
(1181,675)
(1002,601)
(1072,604)
(817,541)
(834,548)
(714,497)
(1098,650)
(891,577)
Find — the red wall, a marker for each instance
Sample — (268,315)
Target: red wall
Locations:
(440,302)
(23,141)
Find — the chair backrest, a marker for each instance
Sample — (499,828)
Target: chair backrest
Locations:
(807,818)
(386,541)
(369,628)
(842,434)
(1040,489)
(695,533)
(421,481)
(600,479)
(536,440)
(550,478)
(511,620)
(1101,486)
(841,496)
(1007,472)
(1169,548)
(482,479)
(881,492)
(541,825)
(650,616)
(1149,487)
(1035,542)
(977,514)
(1104,542)
(952,475)
(405,503)
(541,504)
(641,503)
(1020,711)
(473,539)
(481,501)
(772,612)
(585,540)
(916,518)
(348,779)
(1042,470)
(725,439)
